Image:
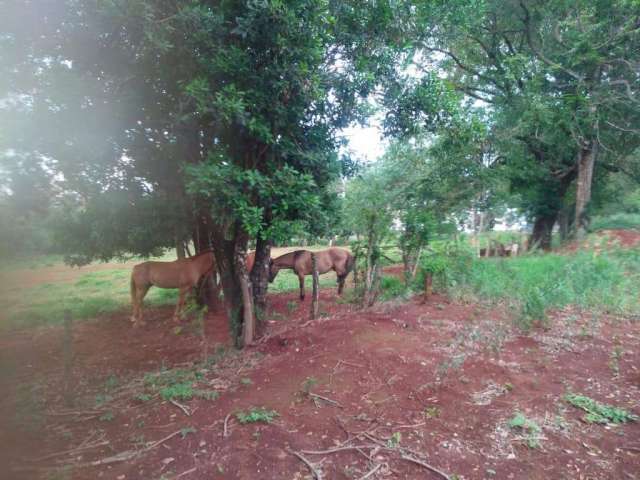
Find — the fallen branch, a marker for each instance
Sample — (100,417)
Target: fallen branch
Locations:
(328,400)
(129,454)
(184,408)
(337,449)
(75,450)
(225,432)
(371,472)
(314,471)
(425,465)
(187,472)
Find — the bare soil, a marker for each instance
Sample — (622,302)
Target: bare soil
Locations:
(606,239)
(437,382)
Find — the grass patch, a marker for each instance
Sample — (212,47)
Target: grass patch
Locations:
(391,287)
(625,221)
(256,415)
(529,429)
(599,412)
(534,284)
(177,384)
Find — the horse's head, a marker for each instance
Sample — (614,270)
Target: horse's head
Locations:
(273,271)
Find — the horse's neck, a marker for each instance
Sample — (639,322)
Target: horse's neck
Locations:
(204,262)
(286,261)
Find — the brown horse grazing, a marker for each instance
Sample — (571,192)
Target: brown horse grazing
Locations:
(336,259)
(183,273)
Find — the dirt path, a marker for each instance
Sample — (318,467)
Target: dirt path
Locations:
(437,382)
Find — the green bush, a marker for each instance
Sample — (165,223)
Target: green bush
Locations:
(624,221)
(534,284)
(391,287)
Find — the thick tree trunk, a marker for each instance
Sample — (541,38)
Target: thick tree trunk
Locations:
(259,276)
(180,248)
(586,161)
(231,259)
(542,229)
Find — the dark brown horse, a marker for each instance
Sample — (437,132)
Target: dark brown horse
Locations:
(183,273)
(336,259)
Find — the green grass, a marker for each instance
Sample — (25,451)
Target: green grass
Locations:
(287,281)
(96,293)
(599,412)
(93,294)
(626,221)
(255,415)
(528,428)
(534,284)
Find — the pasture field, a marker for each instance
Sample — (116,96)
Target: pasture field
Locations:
(457,387)
(38,291)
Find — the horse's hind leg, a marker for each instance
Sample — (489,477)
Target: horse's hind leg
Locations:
(301,279)
(140,293)
(341,279)
(184,291)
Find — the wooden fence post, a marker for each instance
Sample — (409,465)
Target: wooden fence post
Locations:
(316,290)
(67,353)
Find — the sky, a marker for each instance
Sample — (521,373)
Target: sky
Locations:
(365,142)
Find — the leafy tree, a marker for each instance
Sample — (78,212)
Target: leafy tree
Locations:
(573,62)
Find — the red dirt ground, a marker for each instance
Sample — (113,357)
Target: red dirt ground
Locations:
(436,381)
(607,239)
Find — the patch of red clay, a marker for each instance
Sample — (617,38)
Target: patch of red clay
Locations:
(440,379)
(606,239)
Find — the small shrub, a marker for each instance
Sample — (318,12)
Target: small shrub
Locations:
(391,287)
(179,391)
(256,415)
(599,412)
(107,417)
(530,429)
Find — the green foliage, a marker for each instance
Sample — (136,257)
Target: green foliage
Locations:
(530,429)
(625,221)
(534,284)
(391,287)
(599,412)
(255,415)
(308,384)
(187,431)
(446,261)
(177,391)
(107,417)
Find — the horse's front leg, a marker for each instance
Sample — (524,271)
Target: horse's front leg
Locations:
(181,300)
(301,280)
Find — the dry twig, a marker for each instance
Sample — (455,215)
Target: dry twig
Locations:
(425,465)
(328,400)
(317,474)
(184,408)
(225,432)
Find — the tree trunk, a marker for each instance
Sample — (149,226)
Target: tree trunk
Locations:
(259,277)
(542,228)
(428,285)
(231,259)
(180,248)
(586,161)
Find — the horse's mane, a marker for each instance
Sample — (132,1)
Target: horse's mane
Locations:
(204,252)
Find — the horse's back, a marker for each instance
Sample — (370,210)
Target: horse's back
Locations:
(162,274)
